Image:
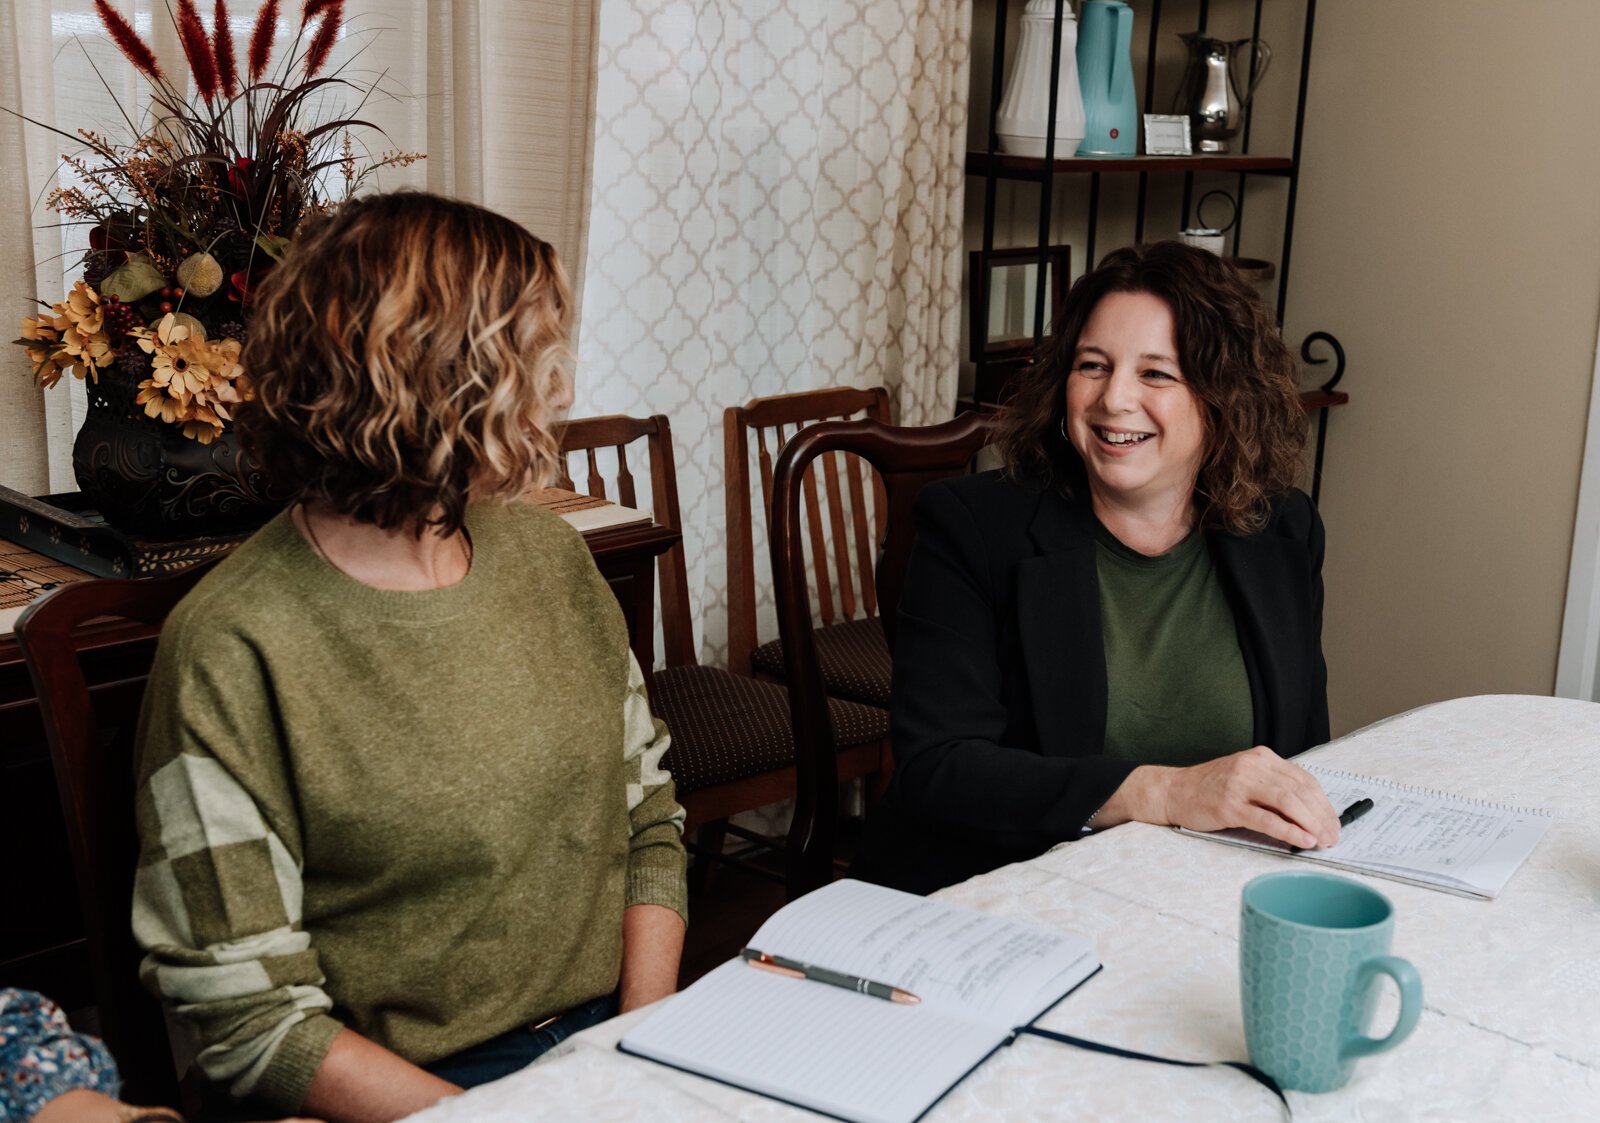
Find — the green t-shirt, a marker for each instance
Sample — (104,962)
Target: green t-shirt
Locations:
(1177,692)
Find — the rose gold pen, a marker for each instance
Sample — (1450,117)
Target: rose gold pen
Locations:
(797,970)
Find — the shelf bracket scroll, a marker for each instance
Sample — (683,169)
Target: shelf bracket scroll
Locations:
(1327,387)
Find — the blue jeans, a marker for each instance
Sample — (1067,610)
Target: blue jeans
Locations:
(518,1048)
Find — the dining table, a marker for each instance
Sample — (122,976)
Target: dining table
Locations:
(1511,986)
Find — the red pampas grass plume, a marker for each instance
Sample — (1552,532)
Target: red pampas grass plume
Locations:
(197,49)
(261,39)
(331,12)
(222,50)
(127,40)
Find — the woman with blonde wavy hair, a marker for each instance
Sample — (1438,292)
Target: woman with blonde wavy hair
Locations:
(401,800)
(1125,622)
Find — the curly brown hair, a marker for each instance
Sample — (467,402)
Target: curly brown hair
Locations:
(1232,357)
(412,359)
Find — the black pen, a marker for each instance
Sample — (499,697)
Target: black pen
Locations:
(1357,809)
(778,965)
(1349,815)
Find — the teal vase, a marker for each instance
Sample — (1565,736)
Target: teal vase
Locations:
(1105,77)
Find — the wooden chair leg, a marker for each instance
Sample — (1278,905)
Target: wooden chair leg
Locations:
(878,782)
(709,839)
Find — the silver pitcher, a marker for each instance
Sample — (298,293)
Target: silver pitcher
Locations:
(1209,92)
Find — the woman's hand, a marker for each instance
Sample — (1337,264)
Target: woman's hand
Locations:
(1255,789)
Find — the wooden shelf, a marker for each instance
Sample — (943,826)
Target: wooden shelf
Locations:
(1032,167)
(1322,399)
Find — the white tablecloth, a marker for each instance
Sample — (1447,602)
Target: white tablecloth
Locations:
(1511,1029)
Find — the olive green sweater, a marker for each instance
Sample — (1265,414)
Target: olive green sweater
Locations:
(416,814)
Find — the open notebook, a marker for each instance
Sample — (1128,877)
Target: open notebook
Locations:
(1465,846)
(853,1056)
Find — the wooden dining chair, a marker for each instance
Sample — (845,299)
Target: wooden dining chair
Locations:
(90,736)
(906,459)
(844,522)
(732,745)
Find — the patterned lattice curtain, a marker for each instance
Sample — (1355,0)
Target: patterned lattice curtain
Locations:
(777,207)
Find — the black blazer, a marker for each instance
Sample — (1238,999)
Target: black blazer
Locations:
(999,700)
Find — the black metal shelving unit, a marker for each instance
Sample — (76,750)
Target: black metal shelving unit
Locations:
(995,166)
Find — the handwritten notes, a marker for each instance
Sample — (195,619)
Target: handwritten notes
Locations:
(972,961)
(854,1056)
(1427,838)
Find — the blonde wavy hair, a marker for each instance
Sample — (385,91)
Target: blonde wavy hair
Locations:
(410,357)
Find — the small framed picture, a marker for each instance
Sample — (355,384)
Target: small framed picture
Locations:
(1166,135)
(1005,329)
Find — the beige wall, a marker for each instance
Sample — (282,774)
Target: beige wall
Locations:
(1449,235)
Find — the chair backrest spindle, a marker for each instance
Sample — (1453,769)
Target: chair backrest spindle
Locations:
(866,546)
(596,481)
(843,518)
(841,540)
(585,435)
(625,489)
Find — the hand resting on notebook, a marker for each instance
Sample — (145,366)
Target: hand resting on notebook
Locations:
(1256,789)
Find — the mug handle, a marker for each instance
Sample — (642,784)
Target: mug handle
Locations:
(1410,983)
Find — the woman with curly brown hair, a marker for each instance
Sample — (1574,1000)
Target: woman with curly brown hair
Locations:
(1099,631)
(402,817)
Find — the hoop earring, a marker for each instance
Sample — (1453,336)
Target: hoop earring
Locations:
(1063,428)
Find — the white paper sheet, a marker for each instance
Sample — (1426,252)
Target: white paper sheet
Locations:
(1418,836)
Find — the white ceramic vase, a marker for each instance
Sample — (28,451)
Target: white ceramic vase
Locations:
(1024,117)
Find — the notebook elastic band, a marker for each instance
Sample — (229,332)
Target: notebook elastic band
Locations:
(1249,1070)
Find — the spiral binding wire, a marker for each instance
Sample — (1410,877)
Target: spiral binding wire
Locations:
(1431,793)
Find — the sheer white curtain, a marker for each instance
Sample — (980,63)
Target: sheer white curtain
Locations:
(777,207)
(498,93)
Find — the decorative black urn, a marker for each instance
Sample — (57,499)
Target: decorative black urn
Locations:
(147,479)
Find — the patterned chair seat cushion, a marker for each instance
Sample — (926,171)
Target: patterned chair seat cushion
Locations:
(726,726)
(854,658)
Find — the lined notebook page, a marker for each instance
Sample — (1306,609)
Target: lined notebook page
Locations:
(818,1046)
(1001,971)
(848,1054)
(1415,835)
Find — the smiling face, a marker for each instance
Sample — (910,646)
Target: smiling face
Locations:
(1137,425)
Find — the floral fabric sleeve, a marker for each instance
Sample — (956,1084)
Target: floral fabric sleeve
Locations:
(42,1057)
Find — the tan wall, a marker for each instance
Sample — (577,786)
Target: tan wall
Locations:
(1449,235)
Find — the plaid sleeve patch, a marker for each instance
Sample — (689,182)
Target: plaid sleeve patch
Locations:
(656,856)
(645,740)
(217,904)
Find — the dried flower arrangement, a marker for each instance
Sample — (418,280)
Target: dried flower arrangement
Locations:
(188,215)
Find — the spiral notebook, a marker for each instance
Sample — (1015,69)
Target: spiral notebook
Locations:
(1422,837)
(850,1055)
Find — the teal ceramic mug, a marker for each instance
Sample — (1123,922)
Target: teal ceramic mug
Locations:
(1311,949)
